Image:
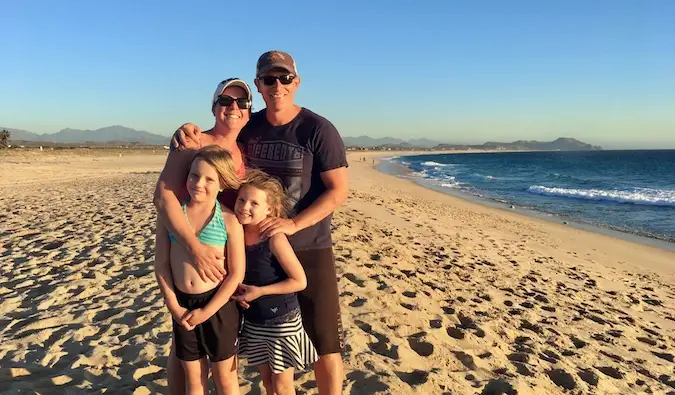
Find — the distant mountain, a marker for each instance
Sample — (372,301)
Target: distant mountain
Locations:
(365,141)
(369,142)
(18,134)
(121,134)
(108,134)
(560,144)
(423,143)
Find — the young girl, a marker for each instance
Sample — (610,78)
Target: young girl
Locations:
(205,321)
(273,337)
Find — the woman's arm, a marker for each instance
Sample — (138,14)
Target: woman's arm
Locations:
(163,272)
(169,186)
(236,266)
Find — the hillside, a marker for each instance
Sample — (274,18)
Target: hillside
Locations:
(559,144)
(121,134)
(115,133)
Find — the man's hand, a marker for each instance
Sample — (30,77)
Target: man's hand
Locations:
(273,225)
(195,317)
(187,137)
(210,264)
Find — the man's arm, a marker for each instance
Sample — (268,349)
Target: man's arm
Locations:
(330,159)
(186,137)
(337,189)
(167,190)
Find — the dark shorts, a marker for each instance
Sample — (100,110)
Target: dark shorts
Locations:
(215,337)
(319,302)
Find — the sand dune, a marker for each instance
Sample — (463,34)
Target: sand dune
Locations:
(439,296)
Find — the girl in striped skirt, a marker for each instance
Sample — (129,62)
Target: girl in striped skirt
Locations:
(272,337)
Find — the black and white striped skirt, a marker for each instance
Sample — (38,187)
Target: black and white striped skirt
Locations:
(281,346)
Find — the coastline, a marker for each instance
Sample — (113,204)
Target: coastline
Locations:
(386,166)
(623,241)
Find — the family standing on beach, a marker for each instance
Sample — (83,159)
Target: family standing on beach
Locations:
(244,253)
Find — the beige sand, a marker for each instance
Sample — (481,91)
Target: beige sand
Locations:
(439,295)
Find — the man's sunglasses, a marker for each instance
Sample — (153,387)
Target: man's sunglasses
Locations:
(270,80)
(226,101)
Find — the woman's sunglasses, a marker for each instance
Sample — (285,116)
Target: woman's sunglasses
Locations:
(226,101)
(270,80)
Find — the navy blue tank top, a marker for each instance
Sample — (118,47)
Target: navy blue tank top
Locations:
(263,268)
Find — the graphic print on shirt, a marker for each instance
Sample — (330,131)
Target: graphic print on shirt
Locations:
(281,159)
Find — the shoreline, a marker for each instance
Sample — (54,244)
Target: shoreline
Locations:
(567,233)
(385,165)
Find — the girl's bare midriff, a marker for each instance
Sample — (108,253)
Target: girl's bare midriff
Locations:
(185,276)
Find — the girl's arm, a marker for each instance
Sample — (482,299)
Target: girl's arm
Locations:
(169,186)
(163,271)
(236,266)
(296,281)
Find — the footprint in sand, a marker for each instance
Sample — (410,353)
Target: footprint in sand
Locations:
(456,333)
(562,379)
(611,371)
(668,357)
(382,347)
(414,378)
(448,310)
(358,302)
(647,340)
(550,356)
(589,377)
(351,277)
(498,387)
(420,346)
(465,359)
(366,383)
(532,327)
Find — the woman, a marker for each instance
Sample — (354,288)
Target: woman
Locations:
(231,106)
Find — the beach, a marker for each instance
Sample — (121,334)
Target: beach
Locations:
(439,295)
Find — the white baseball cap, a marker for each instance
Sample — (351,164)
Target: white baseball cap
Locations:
(231,82)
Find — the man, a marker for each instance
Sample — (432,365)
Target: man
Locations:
(306,152)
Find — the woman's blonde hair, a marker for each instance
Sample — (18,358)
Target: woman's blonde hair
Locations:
(222,161)
(276,196)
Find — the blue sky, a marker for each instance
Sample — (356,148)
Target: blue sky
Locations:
(600,71)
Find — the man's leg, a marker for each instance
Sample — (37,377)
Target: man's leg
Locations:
(320,309)
(329,374)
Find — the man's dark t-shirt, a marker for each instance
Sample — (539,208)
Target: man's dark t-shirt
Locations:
(297,153)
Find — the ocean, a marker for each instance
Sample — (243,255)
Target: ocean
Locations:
(628,191)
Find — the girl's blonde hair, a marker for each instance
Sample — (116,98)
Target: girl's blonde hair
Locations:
(222,161)
(276,196)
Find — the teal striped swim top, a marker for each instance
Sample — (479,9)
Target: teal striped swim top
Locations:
(214,233)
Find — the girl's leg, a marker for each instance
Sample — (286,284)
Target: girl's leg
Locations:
(266,375)
(196,376)
(283,382)
(176,376)
(225,376)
